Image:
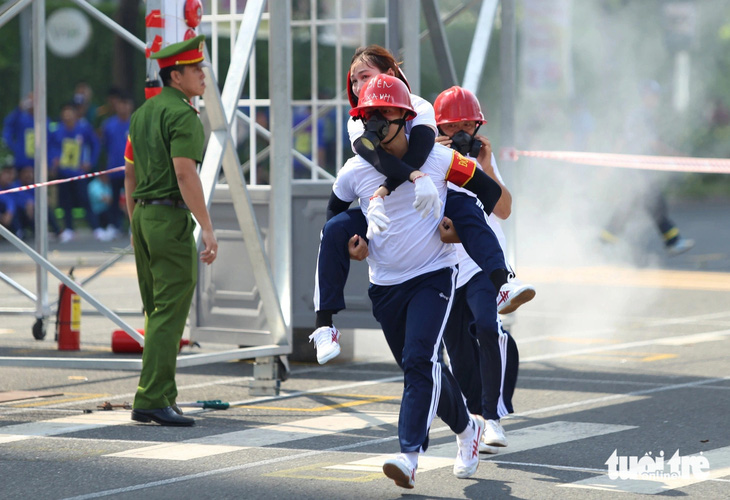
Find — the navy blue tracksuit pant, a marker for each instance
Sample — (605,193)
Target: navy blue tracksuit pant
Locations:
(484,357)
(471,225)
(413,317)
(333,260)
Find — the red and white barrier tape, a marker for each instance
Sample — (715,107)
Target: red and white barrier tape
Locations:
(61,181)
(643,162)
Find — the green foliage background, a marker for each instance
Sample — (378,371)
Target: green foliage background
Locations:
(93,65)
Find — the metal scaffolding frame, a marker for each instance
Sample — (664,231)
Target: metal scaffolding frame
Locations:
(273,276)
(221,111)
(220,152)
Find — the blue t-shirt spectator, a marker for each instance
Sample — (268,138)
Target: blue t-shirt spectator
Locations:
(7,211)
(75,145)
(24,202)
(21,199)
(114,133)
(19,135)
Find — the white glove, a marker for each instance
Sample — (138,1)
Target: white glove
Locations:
(377,220)
(427,197)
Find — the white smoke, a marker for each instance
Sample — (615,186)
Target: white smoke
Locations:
(616,48)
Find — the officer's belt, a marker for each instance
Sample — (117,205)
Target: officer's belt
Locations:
(164,201)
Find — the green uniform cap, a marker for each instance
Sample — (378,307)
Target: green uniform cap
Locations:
(185,52)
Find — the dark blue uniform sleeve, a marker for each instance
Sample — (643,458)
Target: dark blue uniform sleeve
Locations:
(336,206)
(397,171)
(486,189)
(420,144)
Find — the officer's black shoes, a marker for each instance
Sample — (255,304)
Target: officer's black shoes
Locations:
(163,416)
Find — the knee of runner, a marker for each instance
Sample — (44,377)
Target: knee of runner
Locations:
(336,231)
(417,362)
(486,328)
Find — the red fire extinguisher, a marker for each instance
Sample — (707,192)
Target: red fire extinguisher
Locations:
(68,318)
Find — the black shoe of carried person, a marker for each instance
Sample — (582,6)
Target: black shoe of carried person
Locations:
(162,416)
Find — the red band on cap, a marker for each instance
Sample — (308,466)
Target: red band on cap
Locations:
(188,57)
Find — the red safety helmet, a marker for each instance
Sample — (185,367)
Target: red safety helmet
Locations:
(457,104)
(384,90)
(353,98)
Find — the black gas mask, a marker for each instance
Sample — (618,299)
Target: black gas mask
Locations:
(376,129)
(466,144)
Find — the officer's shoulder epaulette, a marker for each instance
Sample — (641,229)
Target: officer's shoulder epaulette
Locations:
(191,105)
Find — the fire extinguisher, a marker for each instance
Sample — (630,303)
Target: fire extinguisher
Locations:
(68,318)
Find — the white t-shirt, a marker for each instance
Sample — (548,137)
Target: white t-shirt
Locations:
(467,267)
(411,246)
(425,115)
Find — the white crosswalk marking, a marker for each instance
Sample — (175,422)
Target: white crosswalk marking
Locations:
(520,440)
(176,451)
(439,456)
(269,435)
(537,436)
(63,425)
(719,460)
(375,464)
(319,426)
(7,438)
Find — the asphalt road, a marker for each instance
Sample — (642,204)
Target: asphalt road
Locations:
(616,357)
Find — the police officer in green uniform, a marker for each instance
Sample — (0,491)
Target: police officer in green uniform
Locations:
(167,138)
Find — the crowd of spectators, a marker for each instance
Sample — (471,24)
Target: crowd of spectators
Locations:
(82,138)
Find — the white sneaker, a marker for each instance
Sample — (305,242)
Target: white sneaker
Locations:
(680,246)
(327,342)
(67,235)
(486,448)
(99,234)
(111,233)
(494,434)
(467,458)
(512,295)
(400,470)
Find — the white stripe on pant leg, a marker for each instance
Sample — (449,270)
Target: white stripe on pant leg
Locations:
(501,407)
(316,298)
(451,371)
(503,340)
(435,365)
